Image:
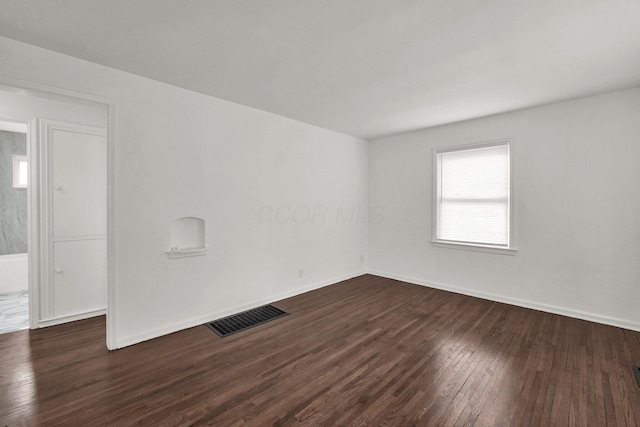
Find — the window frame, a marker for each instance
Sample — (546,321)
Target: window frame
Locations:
(17,160)
(508,249)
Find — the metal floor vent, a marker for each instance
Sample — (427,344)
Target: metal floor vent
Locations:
(636,370)
(245,320)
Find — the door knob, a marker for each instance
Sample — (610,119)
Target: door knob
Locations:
(58,270)
(58,188)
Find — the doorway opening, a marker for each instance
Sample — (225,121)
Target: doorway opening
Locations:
(14,251)
(68,197)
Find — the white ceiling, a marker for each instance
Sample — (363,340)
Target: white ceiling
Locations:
(363,67)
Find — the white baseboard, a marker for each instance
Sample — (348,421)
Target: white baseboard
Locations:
(190,323)
(65,319)
(577,314)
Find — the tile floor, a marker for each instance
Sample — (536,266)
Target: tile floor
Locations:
(14,311)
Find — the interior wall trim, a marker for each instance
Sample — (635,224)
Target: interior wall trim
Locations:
(547,308)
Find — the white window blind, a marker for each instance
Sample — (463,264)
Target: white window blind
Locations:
(473,195)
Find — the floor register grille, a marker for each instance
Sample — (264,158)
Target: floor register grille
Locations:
(245,320)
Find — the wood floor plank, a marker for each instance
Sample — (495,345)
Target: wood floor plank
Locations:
(367,351)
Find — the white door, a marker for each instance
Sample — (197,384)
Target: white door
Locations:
(76,222)
(79,171)
(80,273)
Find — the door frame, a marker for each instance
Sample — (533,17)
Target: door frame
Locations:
(47,236)
(36,182)
(23,120)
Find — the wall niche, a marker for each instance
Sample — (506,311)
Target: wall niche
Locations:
(187,237)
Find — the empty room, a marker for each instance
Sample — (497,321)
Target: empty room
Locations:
(319,213)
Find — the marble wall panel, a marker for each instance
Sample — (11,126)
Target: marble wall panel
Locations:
(13,201)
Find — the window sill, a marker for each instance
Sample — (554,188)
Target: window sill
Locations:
(476,248)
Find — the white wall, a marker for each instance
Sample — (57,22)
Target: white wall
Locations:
(577,210)
(179,153)
(14,273)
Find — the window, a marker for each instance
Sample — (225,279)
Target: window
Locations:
(20,171)
(473,195)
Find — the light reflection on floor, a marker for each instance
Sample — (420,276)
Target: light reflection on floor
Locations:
(25,393)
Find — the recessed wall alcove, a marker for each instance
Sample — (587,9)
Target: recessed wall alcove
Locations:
(187,237)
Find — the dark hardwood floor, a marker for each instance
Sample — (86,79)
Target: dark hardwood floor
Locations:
(368,351)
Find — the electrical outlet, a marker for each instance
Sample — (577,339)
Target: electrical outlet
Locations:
(300,273)
(361,258)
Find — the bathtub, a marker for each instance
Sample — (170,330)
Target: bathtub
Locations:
(14,273)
